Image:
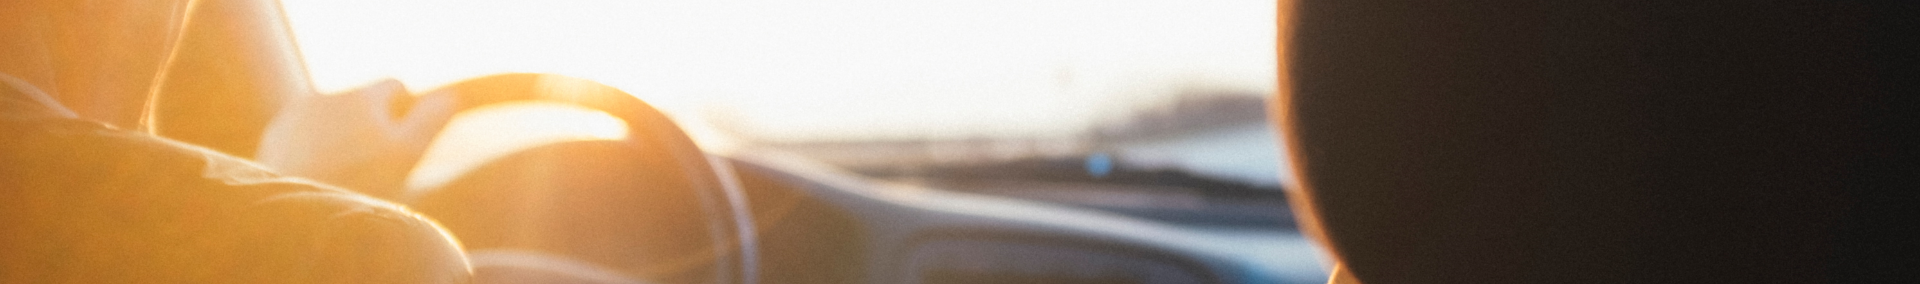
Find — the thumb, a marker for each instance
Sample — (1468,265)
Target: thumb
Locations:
(428,115)
(376,100)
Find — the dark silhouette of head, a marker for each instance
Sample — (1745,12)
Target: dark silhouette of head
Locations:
(1599,141)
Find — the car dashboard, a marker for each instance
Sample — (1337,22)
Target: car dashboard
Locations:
(818,223)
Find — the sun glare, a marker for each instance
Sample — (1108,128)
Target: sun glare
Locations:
(473,137)
(810,70)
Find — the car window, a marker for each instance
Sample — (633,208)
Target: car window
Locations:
(1152,108)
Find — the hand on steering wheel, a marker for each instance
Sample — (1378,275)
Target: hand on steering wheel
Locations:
(355,139)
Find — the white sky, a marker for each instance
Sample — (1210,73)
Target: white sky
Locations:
(804,70)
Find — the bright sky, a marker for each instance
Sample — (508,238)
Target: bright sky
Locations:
(805,70)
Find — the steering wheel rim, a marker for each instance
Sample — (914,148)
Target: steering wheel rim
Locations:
(649,130)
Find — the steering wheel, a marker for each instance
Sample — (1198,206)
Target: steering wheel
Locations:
(650,208)
(235,66)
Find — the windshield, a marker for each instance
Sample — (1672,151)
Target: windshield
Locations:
(1126,96)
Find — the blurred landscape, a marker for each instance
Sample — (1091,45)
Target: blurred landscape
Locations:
(1206,158)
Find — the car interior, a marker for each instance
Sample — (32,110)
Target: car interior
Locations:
(666,212)
(1433,143)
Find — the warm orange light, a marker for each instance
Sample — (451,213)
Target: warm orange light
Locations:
(483,134)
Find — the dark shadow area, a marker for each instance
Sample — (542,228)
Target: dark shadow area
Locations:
(802,239)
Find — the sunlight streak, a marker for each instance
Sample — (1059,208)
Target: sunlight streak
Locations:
(483,134)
